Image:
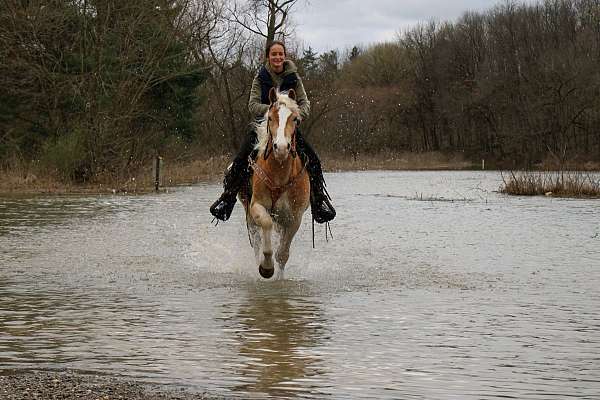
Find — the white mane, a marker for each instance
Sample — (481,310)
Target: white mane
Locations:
(283,100)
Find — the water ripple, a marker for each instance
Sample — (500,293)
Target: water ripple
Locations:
(465,293)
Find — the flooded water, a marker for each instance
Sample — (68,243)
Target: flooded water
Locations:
(434,287)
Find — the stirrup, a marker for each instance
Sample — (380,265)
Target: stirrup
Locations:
(222,208)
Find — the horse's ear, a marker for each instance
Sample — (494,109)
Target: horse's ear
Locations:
(272,95)
(292,94)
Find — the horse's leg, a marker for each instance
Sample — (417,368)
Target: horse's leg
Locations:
(254,234)
(264,221)
(256,242)
(283,251)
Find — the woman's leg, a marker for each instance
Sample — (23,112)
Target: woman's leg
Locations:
(236,175)
(320,204)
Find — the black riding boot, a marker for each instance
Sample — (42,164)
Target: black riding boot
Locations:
(320,205)
(236,175)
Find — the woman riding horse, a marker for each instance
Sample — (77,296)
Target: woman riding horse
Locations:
(279,73)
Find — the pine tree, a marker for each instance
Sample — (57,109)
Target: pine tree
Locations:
(309,63)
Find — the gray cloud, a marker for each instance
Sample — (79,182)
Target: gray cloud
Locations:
(329,24)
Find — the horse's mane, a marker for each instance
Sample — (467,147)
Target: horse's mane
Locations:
(261,126)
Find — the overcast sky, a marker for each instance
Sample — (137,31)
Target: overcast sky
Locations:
(341,24)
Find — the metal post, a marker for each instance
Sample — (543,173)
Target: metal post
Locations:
(157,163)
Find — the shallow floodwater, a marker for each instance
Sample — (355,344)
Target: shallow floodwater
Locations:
(434,287)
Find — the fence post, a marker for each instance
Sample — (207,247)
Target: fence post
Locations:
(157,165)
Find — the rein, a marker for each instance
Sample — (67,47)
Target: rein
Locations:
(269,145)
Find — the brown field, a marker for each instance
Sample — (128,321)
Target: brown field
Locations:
(19,180)
(399,161)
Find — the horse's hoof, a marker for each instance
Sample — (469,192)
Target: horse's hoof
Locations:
(266,273)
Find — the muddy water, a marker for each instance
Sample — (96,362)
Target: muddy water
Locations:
(434,287)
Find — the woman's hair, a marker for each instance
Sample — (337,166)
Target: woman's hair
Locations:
(273,43)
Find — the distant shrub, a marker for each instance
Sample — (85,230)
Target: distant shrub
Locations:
(556,183)
(68,156)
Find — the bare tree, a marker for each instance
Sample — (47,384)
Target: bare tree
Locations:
(227,49)
(267,18)
(233,49)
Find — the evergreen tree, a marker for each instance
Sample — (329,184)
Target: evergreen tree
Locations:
(329,64)
(309,63)
(354,53)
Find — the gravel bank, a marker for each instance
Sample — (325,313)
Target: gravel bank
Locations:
(43,385)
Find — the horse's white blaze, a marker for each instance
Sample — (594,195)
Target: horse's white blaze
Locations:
(280,140)
(287,220)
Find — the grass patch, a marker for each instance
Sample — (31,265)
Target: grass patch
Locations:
(22,178)
(553,183)
(18,177)
(420,197)
(397,161)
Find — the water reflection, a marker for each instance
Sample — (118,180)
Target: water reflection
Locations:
(33,327)
(18,215)
(278,330)
(44,328)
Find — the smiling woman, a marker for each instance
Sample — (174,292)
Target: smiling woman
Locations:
(279,74)
(276,56)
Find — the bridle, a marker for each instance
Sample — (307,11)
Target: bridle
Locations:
(276,190)
(269,147)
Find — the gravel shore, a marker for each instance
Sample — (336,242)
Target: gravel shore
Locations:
(44,385)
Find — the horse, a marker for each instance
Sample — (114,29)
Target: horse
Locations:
(279,184)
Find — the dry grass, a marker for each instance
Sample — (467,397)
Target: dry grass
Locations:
(555,183)
(553,163)
(27,180)
(196,171)
(398,161)
(18,179)
(22,180)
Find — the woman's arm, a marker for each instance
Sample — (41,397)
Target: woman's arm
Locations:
(255,106)
(302,100)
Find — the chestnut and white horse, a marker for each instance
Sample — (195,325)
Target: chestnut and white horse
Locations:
(280,185)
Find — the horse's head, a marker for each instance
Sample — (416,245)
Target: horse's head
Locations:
(281,121)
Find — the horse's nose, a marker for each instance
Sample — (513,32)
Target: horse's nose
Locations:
(289,146)
(275,146)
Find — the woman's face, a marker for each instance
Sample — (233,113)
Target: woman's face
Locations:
(276,57)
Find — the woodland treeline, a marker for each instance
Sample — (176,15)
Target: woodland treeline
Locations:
(94,88)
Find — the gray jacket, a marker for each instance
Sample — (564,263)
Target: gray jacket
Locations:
(258,109)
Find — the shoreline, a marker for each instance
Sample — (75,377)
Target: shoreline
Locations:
(29,384)
(210,170)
